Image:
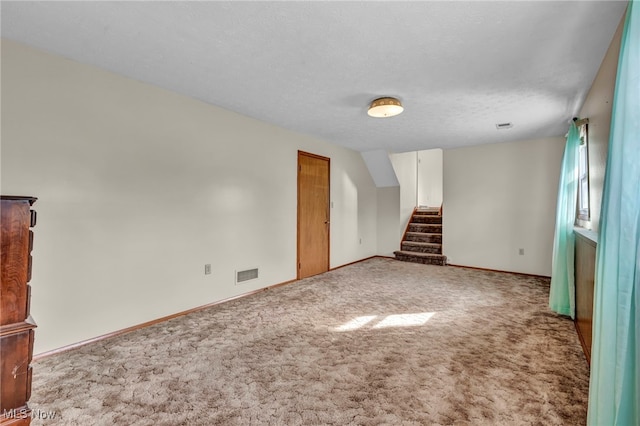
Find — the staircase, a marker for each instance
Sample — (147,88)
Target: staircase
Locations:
(422,241)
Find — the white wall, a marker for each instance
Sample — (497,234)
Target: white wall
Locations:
(405,166)
(429,177)
(139,187)
(388,196)
(499,198)
(597,108)
(380,167)
(389,230)
(420,174)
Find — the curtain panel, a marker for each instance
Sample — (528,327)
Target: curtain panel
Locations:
(562,292)
(614,391)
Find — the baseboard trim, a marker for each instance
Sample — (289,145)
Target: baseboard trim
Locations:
(153,322)
(179,314)
(499,270)
(353,263)
(385,257)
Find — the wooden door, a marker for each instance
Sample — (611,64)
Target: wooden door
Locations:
(313,214)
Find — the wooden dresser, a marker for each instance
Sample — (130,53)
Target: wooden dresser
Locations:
(16,325)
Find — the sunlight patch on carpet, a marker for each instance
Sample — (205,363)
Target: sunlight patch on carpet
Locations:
(356,323)
(405,320)
(398,320)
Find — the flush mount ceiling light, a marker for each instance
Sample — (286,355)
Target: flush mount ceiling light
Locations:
(385,107)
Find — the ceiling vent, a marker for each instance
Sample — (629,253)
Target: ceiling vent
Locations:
(501,126)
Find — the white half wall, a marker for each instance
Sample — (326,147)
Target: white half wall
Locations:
(139,188)
(405,167)
(501,198)
(389,230)
(430,178)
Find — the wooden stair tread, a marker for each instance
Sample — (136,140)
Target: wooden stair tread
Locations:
(418,254)
(421,244)
(423,233)
(428,211)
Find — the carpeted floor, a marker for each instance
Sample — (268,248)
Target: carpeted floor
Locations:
(378,342)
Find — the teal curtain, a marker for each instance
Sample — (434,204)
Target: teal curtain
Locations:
(614,392)
(562,293)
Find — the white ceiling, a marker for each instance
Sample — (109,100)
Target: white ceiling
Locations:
(458,67)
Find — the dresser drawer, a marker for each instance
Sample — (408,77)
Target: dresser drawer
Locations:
(16,372)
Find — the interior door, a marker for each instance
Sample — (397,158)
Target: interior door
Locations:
(313,214)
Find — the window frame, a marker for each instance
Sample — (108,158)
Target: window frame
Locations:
(583,214)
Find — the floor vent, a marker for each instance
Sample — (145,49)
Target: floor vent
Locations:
(246,275)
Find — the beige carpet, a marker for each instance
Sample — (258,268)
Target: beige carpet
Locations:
(378,342)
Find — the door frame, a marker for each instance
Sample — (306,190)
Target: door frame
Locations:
(298,169)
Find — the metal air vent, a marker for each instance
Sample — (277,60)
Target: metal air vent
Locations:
(246,275)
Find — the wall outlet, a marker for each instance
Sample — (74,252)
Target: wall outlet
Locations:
(521,252)
(207,269)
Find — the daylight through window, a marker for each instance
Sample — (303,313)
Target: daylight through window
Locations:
(583,174)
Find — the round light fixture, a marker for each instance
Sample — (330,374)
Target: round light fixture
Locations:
(385,107)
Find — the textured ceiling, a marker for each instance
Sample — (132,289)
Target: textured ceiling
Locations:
(458,67)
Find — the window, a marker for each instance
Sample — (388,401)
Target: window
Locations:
(583,174)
